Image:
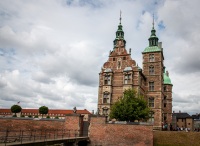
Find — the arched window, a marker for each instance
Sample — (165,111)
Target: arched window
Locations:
(151,102)
(151,70)
(105,111)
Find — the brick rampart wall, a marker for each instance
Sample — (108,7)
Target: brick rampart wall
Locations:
(103,134)
(29,124)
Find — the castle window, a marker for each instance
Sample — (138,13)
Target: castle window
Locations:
(165,88)
(107,79)
(113,59)
(105,111)
(151,70)
(106,97)
(151,86)
(165,104)
(127,78)
(124,58)
(151,102)
(151,116)
(151,57)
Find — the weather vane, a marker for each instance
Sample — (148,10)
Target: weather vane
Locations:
(153,20)
(120,16)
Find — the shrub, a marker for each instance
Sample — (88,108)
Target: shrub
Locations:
(30,116)
(36,116)
(22,116)
(48,117)
(56,117)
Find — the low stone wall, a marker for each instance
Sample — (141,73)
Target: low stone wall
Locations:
(104,134)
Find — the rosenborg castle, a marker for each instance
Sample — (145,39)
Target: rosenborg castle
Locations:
(152,81)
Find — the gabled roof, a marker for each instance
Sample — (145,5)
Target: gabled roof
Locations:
(196,116)
(181,115)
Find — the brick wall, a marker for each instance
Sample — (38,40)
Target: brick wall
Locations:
(29,124)
(103,134)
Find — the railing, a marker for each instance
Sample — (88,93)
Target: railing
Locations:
(21,136)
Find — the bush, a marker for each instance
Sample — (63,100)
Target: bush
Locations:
(48,117)
(22,116)
(56,117)
(36,116)
(30,116)
(14,116)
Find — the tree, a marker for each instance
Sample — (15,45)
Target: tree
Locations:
(16,109)
(130,108)
(43,110)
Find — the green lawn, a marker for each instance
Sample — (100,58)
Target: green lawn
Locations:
(176,138)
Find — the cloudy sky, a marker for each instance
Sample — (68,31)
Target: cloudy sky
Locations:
(52,51)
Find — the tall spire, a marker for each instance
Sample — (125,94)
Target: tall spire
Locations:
(119,32)
(153,40)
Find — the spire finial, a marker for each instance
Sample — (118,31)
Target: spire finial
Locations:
(153,21)
(120,17)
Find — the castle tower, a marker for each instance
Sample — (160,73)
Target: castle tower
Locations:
(167,101)
(117,74)
(153,70)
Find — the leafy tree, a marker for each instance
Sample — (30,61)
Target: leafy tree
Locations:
(130,108)
(43,110)
(16,109)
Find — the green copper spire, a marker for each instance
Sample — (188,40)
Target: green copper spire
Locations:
(119,32)
(153,40)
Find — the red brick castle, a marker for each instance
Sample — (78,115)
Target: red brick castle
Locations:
(121,72)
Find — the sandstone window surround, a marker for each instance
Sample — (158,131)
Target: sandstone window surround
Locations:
(106,97)
(151,86)
(127,78)
(151,116)
(151,102)
(151,70)
(107,79)
(105,110)
(151,58)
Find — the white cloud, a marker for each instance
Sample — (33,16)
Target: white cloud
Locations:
(51,52)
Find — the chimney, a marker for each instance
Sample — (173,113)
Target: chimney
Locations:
(179,111)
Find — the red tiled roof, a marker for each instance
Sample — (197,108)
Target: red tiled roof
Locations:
(51,111)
